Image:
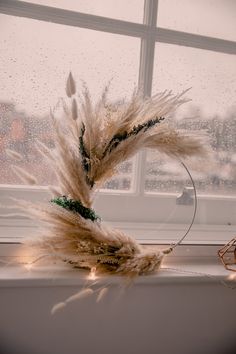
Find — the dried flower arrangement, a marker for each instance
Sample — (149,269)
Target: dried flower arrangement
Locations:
(90,142)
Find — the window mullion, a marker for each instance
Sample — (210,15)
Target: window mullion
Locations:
(148,47)
(145,77)
(71,18)
(168,36)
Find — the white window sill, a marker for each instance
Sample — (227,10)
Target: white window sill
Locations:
(195,261)
(174,270)
(188,263)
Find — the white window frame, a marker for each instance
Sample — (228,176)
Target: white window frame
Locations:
(215,221)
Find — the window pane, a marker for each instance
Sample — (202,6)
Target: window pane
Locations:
(131,10)
(214,18)
(212,77)
(164,174)
(123,180)
(33,78)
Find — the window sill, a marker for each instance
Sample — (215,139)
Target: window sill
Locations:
(175,269)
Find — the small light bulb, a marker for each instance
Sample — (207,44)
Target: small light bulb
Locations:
(28,266)
(92,274)
(232,277)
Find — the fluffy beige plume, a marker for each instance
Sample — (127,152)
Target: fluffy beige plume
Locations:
(13,154)
(80,295)
(24,175)
(90,142)
(101,294)
(70,86)
(66,162)
(74,109)
(58,307)
(111,121)
(176,144)
(55,191)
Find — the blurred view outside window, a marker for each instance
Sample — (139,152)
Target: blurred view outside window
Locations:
(33,78)
(211,111)
(36,57)
(212,18)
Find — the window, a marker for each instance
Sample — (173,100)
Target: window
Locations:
(42,40)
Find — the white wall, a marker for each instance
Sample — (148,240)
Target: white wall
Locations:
(165,318)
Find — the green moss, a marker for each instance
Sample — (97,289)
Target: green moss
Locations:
(118,138)
(85,157)
(76,206)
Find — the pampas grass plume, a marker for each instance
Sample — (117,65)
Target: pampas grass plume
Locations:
(58,307)
(13,154)
(70,86)
(24,175)
(54,191)
(74,109)
(101,294)
(80,295)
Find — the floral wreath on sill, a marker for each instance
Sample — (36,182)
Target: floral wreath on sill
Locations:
(91,140)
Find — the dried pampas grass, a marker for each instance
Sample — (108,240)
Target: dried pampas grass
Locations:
(90,142)
(14,155)
(102,293)
(24,175)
